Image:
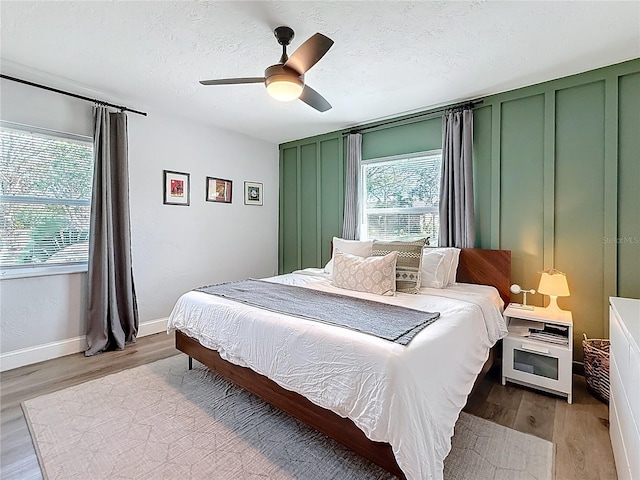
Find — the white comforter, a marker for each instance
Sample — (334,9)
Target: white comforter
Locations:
(407,396)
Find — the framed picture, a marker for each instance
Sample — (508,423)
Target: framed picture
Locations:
(218,190)
(176,188)
(252,193)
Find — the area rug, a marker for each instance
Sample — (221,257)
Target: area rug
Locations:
(163,421)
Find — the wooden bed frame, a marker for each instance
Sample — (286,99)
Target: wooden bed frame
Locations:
(487,267)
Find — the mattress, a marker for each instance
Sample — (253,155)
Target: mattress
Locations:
(408,396)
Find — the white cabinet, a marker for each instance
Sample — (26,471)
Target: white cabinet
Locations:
(541,361)
(624,405)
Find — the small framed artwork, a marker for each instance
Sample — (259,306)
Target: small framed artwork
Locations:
(218,190)
(176,188)
(252,193)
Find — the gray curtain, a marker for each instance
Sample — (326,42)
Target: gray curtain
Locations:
(112,319)
(350,225)
(457,223)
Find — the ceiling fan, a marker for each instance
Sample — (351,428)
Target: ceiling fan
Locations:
(285,80)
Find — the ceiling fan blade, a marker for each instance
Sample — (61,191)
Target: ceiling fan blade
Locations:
(233,81)
(314,99)
(309,53)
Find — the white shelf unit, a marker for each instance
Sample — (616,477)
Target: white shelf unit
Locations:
(538,363)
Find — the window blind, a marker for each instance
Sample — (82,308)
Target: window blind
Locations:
(45,197)
(401,197)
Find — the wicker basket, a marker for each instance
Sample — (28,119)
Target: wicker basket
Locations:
(596,367)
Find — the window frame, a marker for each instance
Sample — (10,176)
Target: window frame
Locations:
(40,270)
(362,223)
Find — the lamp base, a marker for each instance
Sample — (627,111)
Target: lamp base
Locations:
(553,306)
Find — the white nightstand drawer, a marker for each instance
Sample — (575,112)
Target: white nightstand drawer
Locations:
(539,363)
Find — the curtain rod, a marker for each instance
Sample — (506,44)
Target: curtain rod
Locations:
(69,94)
(470,104)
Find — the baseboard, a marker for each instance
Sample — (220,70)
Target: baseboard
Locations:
(40,353)
(152,326)
(578,368)
(61,348)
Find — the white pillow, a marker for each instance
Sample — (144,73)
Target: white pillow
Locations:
(352,247)
(434,270)
(452,258)
(454,266)
(371,274)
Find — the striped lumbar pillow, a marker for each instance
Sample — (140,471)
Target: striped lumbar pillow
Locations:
(408,263)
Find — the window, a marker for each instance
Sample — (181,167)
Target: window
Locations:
(45,196)
(400,197)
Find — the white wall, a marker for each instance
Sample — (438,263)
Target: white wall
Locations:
(175,248)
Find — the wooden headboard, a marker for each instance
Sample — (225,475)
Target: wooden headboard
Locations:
(486,267)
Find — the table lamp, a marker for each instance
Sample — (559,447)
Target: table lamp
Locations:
(554,284)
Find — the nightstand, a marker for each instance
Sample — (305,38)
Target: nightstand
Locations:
(538,352)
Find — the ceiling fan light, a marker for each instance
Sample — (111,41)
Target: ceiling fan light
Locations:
(284,88)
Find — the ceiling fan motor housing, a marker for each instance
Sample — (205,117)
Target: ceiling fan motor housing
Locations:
(288,82)
(284,35)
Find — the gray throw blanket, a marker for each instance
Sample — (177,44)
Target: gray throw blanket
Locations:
(389,322)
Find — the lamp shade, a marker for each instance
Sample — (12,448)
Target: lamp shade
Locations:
(553,284)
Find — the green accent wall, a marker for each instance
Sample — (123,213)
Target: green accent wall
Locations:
(288,241)
(522,186)
(556,178)
(629,186)
(482,174)
(311,200)
(566,157)
(413,137)
(579,204)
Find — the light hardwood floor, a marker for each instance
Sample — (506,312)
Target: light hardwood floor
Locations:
(580,431)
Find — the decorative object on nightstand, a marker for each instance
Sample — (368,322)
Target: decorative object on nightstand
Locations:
(538,352)
(516,289)
(554,284)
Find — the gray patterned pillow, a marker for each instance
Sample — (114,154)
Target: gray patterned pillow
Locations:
(371,274)
(408,264)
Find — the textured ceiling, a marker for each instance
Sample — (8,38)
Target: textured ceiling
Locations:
(388,58)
